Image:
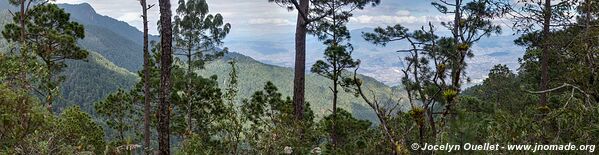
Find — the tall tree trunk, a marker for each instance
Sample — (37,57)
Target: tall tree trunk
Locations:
(146,77)
(22,22)
(336,74)
(166,59)
(188,92)
(545,54)
(23,73)
(457,71)
(300,61)
(334,125)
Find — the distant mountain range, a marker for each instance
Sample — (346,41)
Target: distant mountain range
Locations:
(381,63)
(116,40)
(116,53)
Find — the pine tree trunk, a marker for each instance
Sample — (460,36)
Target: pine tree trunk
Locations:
(23,73)
(165,77)
(457,71)
(121,129)
(188,92)
(545,54)
(300,61)
(334,127)
(336,74)
(146,77)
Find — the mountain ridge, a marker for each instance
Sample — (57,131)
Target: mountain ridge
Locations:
(86,14)
(114,59)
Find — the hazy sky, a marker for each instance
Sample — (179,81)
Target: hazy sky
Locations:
(258,17)
(259,26)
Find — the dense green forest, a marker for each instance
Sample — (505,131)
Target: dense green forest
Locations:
(76,82)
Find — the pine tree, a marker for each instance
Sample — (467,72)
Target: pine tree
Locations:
(309,11)
(53,38)
(303,19)
(332,31)
(571,43)
(76,128)
(233,123)
(205,102)
(422,82)
(118,109)
(270,115)
(472,21)
(24,7)
(544,14)
(138,92)
(146,75)
(197,35)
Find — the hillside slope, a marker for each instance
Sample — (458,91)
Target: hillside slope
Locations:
(93,79)
(117,49)
(116,40)
(253,75)
(88,82)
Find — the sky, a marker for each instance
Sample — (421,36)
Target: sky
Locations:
(258,17)
(259,26)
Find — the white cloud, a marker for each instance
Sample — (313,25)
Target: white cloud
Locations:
(399,19)
(270,21)
(250,17)
(244,15)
